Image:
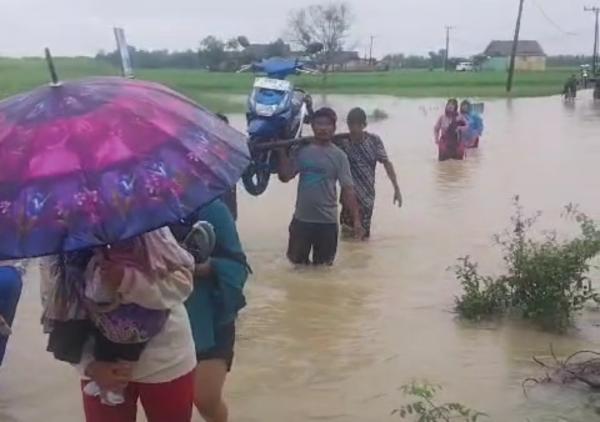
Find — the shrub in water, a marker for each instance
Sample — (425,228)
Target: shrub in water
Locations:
(425,408)
(379,114)
(545,280)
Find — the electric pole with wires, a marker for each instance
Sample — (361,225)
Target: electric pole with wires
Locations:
(513,56)
(447,55)
(595,10)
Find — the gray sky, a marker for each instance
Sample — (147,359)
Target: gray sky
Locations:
(82,27)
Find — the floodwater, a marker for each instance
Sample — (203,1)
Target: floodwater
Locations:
(336,344)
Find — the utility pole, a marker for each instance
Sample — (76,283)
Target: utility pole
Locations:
(513,56)
(595,10)
(447,55)
(371,50)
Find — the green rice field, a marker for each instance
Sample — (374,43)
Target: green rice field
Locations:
(218,90)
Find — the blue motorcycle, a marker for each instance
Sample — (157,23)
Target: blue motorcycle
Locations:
(276,110)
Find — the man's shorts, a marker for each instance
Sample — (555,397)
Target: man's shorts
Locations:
(320,238)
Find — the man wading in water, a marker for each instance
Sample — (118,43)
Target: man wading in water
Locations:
(364,151)
(320,166)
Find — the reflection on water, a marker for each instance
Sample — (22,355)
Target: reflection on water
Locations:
(335,344)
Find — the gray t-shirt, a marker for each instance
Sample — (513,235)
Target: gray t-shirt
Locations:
(320,168)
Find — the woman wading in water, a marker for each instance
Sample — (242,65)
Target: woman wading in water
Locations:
(446,133)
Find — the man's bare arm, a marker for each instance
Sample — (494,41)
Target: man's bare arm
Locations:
(391,172)
(351,203)
(286,168)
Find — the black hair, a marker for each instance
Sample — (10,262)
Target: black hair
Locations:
(223,117)
(466,103)
(325,112)
(453,101)
(357,115)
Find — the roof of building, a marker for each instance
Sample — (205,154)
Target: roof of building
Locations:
(343,57)
(260,51)
(504,48)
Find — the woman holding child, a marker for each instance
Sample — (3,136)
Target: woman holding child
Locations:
(118,315)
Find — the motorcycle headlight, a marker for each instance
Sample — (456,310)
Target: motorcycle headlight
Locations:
(266,110)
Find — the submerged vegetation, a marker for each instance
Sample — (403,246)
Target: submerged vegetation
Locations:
(581,367)
(425,408)
(545,280)
(378,114)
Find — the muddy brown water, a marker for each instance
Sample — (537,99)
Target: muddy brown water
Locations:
(336,344)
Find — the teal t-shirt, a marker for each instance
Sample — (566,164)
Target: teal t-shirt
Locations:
(216,301)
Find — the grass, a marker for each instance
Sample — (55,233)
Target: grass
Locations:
(215,90)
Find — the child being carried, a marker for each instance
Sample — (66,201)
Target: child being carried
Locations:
(129,296)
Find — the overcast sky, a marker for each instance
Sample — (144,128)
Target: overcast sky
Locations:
(82,27)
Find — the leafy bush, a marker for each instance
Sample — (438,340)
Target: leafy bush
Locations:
(483,296)
(546,280)
(379,114)
(425,409)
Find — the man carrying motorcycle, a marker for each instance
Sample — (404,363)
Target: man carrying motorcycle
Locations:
(321,165)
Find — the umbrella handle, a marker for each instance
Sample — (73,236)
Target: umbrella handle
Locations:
(51,68)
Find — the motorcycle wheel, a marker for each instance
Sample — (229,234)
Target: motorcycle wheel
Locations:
(256,178)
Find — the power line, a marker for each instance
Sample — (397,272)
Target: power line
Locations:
(550,20)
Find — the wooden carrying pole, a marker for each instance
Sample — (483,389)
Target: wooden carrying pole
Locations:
(286,143)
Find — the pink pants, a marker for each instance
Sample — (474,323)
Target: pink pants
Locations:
(166,402)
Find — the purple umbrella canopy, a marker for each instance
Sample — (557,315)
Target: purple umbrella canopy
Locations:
(91,162)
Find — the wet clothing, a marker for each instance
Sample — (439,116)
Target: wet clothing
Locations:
(320,168)
(217,300)
(449,143)
(571,88)
(10,292)
(230,199)
(72,282)
(472,132)
(224,348)
(170,401)
(363,157)
(141,304)
(320,238)
(366,218)
(167,356)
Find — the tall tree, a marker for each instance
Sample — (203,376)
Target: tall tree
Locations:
(212,51)
(277,49)
(328,24)
(232,44)
(437,58)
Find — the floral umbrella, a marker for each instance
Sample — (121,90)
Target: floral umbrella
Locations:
(91,162)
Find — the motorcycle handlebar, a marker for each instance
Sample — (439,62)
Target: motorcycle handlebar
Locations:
(245,68)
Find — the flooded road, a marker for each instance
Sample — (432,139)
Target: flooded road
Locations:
(336,344)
